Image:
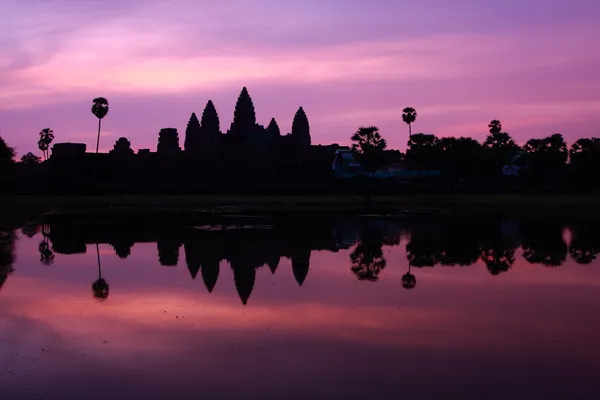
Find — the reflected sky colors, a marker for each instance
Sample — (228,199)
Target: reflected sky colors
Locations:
(348,63)
(530,331)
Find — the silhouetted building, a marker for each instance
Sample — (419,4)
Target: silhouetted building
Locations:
(301,130)
(168,142)
(68,149)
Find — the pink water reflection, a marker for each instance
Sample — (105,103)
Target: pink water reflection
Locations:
(530,331)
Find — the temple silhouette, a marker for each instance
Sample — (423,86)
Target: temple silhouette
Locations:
(205,138)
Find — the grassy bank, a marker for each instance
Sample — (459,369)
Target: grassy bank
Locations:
(18,207)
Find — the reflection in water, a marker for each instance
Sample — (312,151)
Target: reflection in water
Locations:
(409,281)
(312,320)
(585,241)
(543,242)
(367,257)
(100,286)
(45,249)
(7,254)
(436,239)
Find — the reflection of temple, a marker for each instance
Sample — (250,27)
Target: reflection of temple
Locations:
(246,244)
(249,243)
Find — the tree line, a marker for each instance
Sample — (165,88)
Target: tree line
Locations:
(547,161)
(250,154)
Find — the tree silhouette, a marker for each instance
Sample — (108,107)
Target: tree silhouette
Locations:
(546,158)
(46,138)
(500,149)
(460,157)
(122,148)
(585,161)
(301,129)
(99,109)
(244,117)
(30,159)
(409,115)
(100,288)
(423,152)
(192,135)
(368,146)
(273,129)
(495,127)
(43,148)
(7,153)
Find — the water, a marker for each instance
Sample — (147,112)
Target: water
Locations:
(324,307)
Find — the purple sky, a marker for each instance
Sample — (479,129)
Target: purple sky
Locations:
(528,63)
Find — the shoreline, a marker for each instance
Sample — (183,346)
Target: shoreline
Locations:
(35,205)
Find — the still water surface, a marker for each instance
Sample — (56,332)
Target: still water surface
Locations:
(340,307)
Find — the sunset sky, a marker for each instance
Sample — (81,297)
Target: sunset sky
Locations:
(531,64)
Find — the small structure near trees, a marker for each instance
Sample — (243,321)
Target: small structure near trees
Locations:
(345,164)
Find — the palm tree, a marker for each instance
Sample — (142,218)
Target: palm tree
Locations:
(46,138)
(409,115)
(409,281)
(100,287)
(99,109)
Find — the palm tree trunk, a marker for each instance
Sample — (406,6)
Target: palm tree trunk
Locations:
(409,131)
(98,141)
(98,254)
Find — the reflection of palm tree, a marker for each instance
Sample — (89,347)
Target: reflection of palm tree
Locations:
(409,281)
(46,253)
(100,287)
